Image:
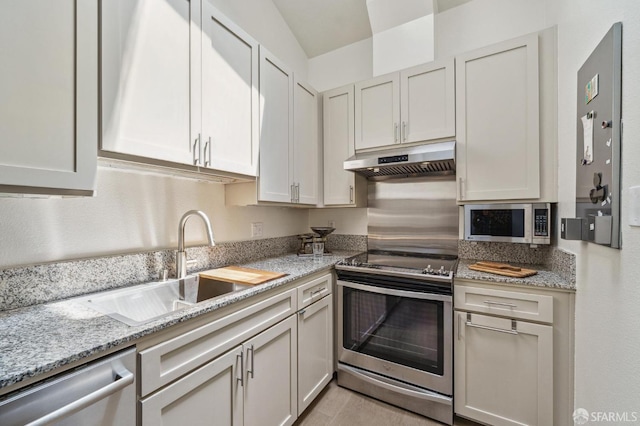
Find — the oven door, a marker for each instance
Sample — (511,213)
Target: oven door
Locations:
(401,334)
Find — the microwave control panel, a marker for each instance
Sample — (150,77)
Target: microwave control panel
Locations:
(541,222)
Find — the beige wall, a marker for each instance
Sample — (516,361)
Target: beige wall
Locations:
(608,294)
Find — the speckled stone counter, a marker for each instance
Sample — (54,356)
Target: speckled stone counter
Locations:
(40,338)
(545,278)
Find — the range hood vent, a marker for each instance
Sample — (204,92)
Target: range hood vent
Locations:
(424,160)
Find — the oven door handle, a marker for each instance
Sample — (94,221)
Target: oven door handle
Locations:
(431,396)
(394,292)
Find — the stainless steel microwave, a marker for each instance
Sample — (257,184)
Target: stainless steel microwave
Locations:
(510,223)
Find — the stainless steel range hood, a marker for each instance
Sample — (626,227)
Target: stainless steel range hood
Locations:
(424,160)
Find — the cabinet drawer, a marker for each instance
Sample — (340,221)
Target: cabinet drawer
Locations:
(169,360)
(314,290)
(512,304)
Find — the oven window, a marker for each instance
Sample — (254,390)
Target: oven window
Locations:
(396,329)
(498,223)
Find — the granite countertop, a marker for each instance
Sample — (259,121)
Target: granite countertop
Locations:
(40,338)
(545,278)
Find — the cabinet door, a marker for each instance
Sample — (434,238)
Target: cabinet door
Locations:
(498,122)
(377,114)
(210,395)
(503,370)
(305,143)
(230,97)
(428,102)
(276,130)
(339,144)
(270,390)
(146,78)
(315,350)
(49,92)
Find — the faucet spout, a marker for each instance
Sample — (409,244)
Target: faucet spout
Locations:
(181,258)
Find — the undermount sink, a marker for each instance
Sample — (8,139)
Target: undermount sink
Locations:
(147,302)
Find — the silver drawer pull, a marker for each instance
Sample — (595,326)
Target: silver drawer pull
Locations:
(514,326)
(316,292)
(491,302)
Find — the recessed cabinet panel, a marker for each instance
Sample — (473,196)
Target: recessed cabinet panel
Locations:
(377,112)
(230,97)
(305,146)
(276,130)
(211,392)
(504,370)
(428,102)
(146,75)
(498,122)
(270,388)
(338,122)
(49,92)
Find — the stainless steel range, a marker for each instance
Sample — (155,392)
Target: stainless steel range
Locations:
(395,301)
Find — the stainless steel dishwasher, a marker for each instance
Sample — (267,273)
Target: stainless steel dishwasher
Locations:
(100,393)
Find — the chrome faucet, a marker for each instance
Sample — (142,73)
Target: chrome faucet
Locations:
(181,256)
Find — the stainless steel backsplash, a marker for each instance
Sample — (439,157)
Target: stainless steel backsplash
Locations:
(413,215)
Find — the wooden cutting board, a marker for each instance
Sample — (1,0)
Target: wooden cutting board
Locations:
(502,269)
(238,274)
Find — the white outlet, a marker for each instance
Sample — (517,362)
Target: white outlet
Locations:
(332,223)
(256,229)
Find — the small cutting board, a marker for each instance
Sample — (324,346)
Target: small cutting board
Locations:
(238,274)
(502,269)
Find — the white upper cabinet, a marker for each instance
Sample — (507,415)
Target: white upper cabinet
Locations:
(230,96)
(146,76)
(49,92)
(377,113)
(305,143)
(414,105)
(498,150)
(338,134)
(427,95)
(276,130)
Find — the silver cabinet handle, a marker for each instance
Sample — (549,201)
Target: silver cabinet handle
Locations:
(459,325)
(298,192)
(207,157)
(121,382)
(395,132)
(404,131)
(351,193)
(250,349)
(293,193)
(240,379)
(460,188)
(514,326)
(491,302)
(319,291)
(196,151)
(301,312)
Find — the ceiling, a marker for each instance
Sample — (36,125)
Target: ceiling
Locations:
(325,25)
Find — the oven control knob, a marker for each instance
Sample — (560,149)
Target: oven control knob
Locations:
(442,271)
(428,270)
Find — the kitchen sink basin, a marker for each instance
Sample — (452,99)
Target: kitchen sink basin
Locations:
(147,302)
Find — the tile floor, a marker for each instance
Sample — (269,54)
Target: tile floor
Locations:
(337,406)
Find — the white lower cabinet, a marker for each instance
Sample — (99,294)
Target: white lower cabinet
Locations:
(504,370)
(270,379)
(259,365)
(513,354)
(315,350)
(210,392)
